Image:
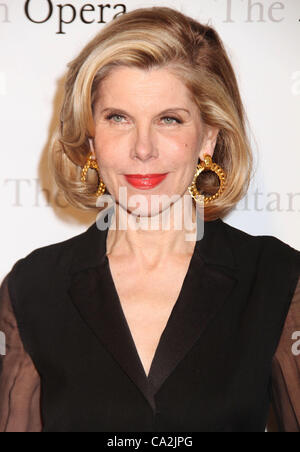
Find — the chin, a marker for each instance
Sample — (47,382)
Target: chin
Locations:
(136,211)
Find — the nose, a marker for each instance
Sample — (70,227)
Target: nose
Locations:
(144,147)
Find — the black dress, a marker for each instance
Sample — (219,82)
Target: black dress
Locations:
(230,347)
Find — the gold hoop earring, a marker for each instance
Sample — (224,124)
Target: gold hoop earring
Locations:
(207,164)
(91,163)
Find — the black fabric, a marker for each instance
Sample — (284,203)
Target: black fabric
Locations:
(212,368)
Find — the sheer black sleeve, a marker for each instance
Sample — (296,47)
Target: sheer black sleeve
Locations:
(19,380)
(286,371)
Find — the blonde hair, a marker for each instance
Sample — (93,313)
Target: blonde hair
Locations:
(147,38)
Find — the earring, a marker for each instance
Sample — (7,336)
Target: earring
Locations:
(207,164)
(91,163)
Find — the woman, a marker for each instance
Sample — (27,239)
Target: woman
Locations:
(131,328)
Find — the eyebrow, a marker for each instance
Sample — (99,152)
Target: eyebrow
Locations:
(168,110)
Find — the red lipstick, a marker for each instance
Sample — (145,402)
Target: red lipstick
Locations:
(145,181)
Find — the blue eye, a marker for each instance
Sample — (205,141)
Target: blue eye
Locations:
(171,122)
(115,116)
(172,119)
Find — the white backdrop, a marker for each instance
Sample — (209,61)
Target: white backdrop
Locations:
(263,41)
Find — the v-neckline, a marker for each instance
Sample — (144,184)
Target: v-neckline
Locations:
(180,299)
(210,279)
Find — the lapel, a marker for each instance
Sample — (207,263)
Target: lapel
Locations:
(210,279)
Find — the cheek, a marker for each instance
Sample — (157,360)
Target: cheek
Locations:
(182,151)
(185,140)
(107,148)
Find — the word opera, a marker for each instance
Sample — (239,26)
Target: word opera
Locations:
(42,11)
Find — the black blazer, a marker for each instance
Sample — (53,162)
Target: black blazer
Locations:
(212,370)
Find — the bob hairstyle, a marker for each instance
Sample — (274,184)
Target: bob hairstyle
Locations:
(153,38)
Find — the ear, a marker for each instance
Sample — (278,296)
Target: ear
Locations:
(209,141)
(92,148)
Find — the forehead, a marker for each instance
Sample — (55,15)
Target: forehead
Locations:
(134,85)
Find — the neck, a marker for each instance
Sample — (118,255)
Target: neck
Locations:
(152,240)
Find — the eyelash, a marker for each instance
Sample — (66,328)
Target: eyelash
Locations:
(178,121)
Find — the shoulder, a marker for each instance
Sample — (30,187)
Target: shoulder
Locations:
(50,259)
(269,262)
(266,246)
